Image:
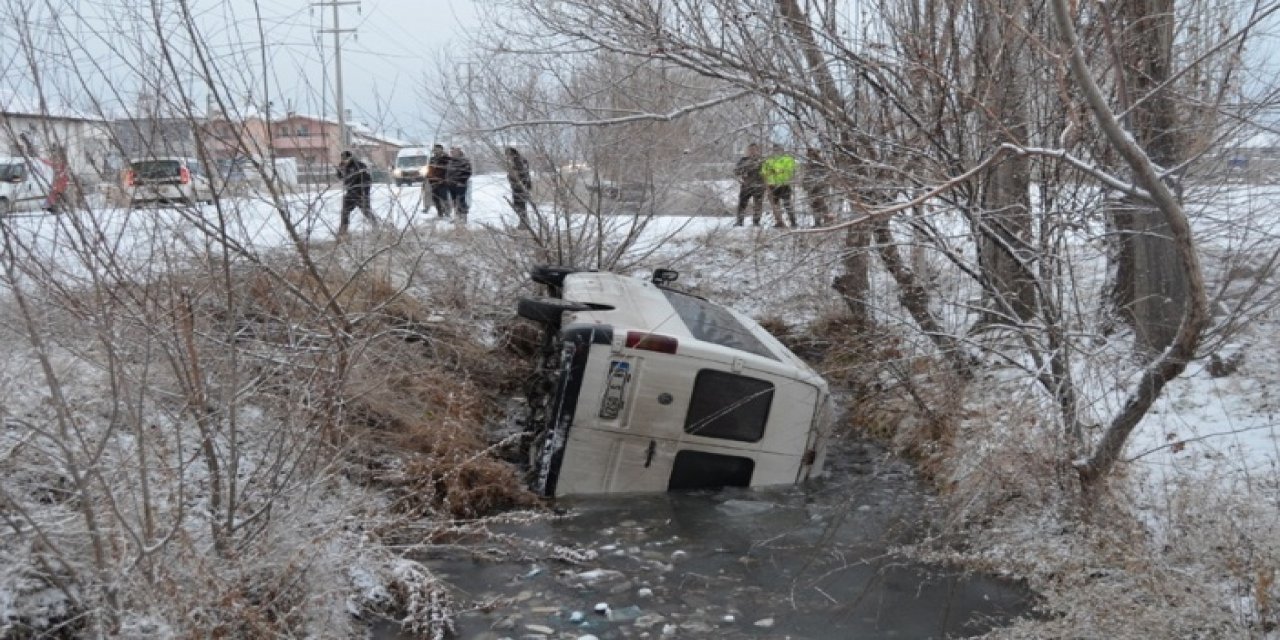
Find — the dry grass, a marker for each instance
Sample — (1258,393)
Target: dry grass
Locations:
(909,402)
(420,396)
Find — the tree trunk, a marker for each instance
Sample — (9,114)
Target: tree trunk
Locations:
(1148,292)
(1171,362)
(854,284)
(915,299)
(1003,223)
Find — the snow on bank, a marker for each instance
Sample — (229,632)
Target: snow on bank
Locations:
(1212,439)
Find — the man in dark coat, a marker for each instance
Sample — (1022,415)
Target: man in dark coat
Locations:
(750,184)
(457,176)
(356,185)
(434,191)
(521,185)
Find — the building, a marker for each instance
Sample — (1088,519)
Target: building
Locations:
(81,142)
(313,142)
(1250,156)
(229,138)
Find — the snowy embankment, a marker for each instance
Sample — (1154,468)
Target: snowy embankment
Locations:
(1180,541)
(169,396)
(1200,470)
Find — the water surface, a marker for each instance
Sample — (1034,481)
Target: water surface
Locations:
(809,562)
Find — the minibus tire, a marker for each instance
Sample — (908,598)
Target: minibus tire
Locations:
(551,275)
(547,311)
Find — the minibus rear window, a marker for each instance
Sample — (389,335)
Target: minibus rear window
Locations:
(701,470)
(729,406)
(712,323)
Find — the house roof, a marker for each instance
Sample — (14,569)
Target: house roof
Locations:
(359,130)
(14,105)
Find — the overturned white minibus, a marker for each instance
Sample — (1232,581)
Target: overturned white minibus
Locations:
(640,387)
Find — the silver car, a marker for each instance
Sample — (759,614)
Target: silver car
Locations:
(167,180)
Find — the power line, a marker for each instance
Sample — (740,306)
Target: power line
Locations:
(337,31)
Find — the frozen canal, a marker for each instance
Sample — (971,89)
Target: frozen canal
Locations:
(807,562)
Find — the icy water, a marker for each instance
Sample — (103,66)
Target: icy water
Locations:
(807,562)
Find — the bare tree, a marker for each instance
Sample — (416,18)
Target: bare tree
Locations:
(202,383)
(946,124)
(606,143)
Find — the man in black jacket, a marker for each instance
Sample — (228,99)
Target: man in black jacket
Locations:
(356,185)
(434,191)
(750,184)
(521,185)
(457,175)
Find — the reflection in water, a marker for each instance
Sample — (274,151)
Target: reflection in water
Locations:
(799,562)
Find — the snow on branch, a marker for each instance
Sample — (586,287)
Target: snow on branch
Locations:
(1127,188)
(914,202)
(639,117)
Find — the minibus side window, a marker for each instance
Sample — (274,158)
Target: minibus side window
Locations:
(729,406)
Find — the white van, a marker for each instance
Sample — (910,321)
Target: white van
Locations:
(411,165)
(25,185)
(640,387)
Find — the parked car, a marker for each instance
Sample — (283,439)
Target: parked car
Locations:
(25,185)
(239,176)
(167,180)
(640,387)
(628,192)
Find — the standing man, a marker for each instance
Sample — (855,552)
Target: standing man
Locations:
(434,192)
(356,184)
(778,170)
(750,184)
(521,185)
(457,177)
(817,185)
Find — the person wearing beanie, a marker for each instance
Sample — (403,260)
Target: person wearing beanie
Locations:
(357,183)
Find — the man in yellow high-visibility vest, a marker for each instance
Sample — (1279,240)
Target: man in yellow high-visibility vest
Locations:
(778,170)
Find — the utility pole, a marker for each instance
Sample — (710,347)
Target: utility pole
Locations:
(337,32)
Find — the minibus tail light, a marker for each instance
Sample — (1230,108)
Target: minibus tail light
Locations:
(184,175)
(651,342)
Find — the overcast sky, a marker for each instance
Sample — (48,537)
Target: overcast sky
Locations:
(386,63)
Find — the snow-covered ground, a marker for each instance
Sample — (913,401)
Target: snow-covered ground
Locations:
(1211,439)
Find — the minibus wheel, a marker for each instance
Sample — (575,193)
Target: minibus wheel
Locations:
(547,311)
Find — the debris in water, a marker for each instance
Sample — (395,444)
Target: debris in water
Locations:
(595,576)
(735,508)
(626,613)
